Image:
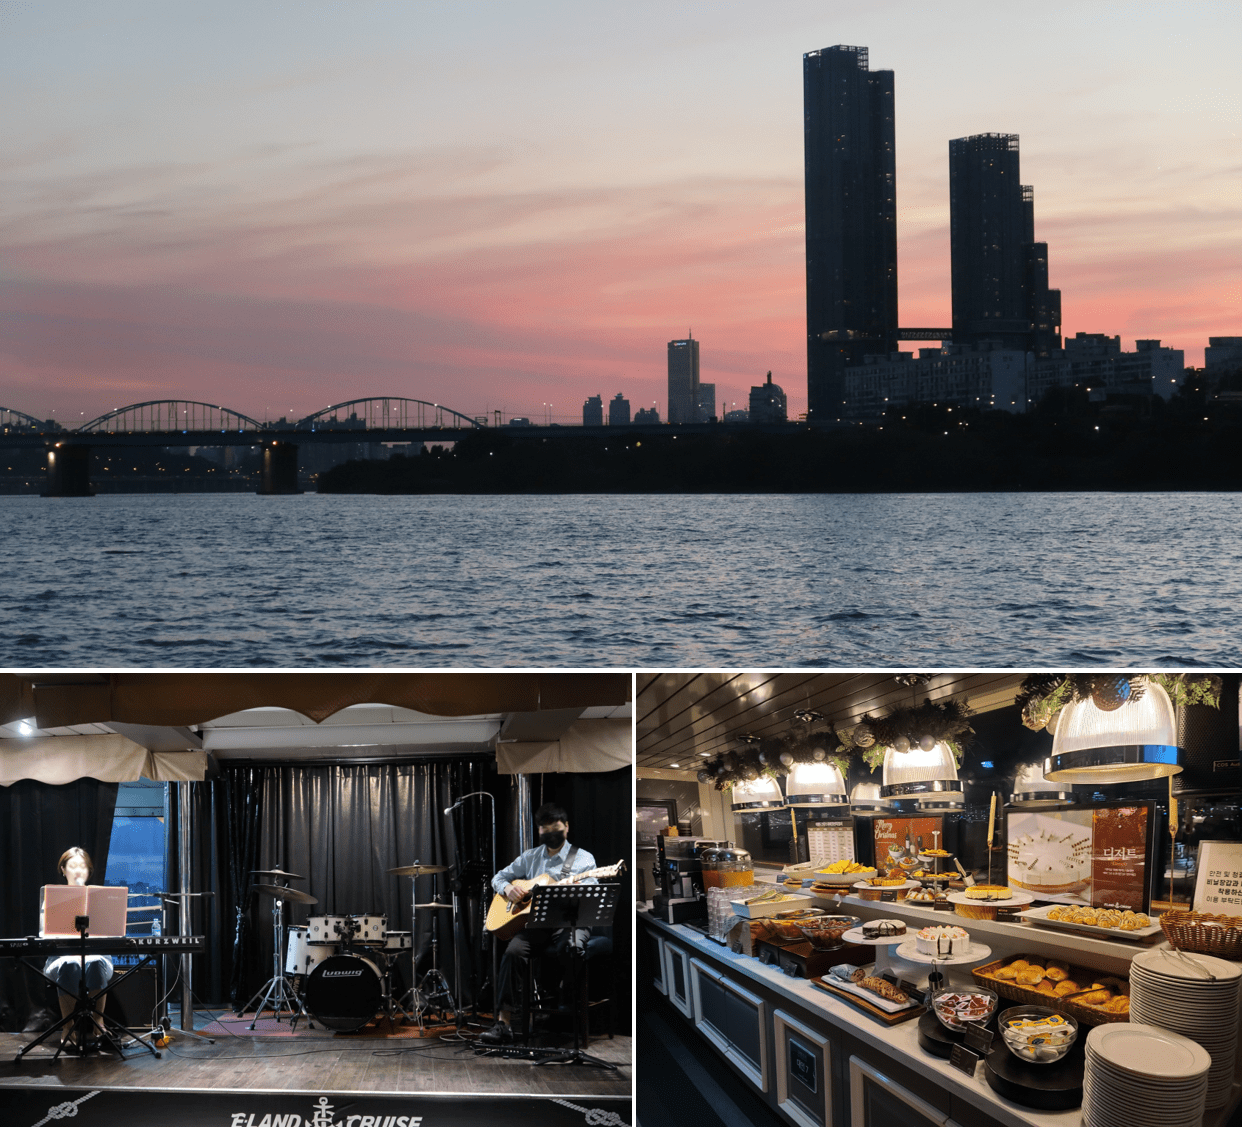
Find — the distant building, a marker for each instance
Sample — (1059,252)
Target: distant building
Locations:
(986,377)
(737,415)
(851,219)
(647,415)
(767,403)
(683,380)
(999,273)
(1223,354)
(618,411)
(1095,361)
(593,412)
(520,421)
(705,403)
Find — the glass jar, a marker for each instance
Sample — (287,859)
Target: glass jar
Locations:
(727,867)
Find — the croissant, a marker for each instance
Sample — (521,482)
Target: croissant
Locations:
(1046,987)
(1095,997)
(1067,986)
(1118,1005)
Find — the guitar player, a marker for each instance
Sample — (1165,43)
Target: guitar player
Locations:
(555,856)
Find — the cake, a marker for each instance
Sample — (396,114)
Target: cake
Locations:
(988,892)
(942,941)
(1052,861)
(879,929)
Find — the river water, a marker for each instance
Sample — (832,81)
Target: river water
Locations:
(840,581)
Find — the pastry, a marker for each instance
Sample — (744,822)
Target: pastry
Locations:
(1096,997)
(878,929)
(942,941)
(1057,974)
(1008,973)
(1047,987)
(1030,976)
(884,988)
(1118,1005)
(1067,986)
(1018,964)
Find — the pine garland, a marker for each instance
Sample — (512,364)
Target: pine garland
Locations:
(817,742)
(1043,695)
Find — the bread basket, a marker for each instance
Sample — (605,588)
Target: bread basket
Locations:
(1203,933)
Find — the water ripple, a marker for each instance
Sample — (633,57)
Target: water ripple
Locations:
(909,581)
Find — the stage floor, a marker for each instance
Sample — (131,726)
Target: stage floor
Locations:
(317,1061)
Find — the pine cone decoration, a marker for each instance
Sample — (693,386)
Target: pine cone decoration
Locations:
(1110,693)
(863,735)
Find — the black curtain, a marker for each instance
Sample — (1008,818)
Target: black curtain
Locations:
(343,826)
(224,848)
(38,822)
(601,818)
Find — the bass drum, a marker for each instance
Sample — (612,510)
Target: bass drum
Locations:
(344,992)
(304,956)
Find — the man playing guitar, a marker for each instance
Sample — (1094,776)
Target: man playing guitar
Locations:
(555,856)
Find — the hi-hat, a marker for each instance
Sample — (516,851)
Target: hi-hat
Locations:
(276,873)
(281,893)
(433,904)
(417,870)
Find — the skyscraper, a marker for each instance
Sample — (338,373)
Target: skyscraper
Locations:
(593,412)
(999,272)
(619,411)
(851,219)
(683,380)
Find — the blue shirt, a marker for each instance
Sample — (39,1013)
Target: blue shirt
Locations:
(535,862)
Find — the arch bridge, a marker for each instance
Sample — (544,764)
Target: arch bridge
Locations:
(171,416)
(388,413)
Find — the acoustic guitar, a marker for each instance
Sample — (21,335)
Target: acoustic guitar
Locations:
(506,918)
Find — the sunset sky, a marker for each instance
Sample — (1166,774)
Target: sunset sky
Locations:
(508,206)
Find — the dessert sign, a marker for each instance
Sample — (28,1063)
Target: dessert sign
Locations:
(1095,856)
(1218,886)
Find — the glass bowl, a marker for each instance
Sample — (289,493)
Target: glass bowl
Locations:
(960,1006)
(1038,1043)
(788,925)
(826,931)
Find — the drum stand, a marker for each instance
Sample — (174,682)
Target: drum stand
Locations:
(434,989)
(276,992)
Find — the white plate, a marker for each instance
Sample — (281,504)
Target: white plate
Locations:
(1150,1053)
(842,880)
(1188,968)
(887,887)
(1040,916)
(1016,898)
(975,953)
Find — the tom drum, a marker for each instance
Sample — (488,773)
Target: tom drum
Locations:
(397,941)
(344,992)
(325,929)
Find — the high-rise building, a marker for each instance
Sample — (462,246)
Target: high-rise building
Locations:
(851,219)
(593,412)
(683,380)
(705,403)
(999,272)
(646,415)
(767,403)
(618,411)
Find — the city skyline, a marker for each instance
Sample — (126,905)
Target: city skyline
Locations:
(498,209)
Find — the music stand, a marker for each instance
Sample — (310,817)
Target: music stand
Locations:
(574,906)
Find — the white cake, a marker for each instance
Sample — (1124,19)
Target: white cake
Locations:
(1051,861)
(942,941)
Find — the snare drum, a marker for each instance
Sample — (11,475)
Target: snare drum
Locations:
(344,992)
(397,941)
(325,929)
(371,929)
(302,957)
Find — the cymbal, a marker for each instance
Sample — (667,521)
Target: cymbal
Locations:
(278,892)
(417,870)
(275,873)
(433,904)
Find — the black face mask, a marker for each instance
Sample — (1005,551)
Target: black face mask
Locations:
(553,839)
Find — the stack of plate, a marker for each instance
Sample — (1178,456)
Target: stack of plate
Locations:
(1140,1076)
(1197,996)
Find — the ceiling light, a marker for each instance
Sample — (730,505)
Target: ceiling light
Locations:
(25,728)
(674,764)
(815,784)
(1135,742)
(927,776)
(762,793)
(1032,791)
(865,798)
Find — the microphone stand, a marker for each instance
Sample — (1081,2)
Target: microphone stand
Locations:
(458,1035)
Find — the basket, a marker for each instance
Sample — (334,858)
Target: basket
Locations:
(1029,996)
(1204,934)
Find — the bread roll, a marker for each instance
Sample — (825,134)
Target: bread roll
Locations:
(1095,997)
(1057,974)
(1118,1005)
(1006,973)
(1030,976)
(1067,986)
(1018,964)
(1046,987)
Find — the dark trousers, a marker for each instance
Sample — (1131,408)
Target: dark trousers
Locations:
(530,943)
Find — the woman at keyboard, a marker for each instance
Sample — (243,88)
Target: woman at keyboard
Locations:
(76,867)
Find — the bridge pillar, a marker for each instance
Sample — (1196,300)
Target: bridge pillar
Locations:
(280,469)
(68,471)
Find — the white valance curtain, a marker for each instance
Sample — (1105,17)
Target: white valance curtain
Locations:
(108,758)
(588,745)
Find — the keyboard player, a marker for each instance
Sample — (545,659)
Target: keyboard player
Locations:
(76,867)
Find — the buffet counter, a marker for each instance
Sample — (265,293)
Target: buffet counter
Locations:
(820,1062)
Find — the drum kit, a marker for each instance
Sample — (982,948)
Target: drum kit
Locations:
(338,970)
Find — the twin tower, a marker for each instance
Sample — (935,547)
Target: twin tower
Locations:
(999,272)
